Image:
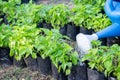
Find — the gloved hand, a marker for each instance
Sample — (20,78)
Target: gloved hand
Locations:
(84,42)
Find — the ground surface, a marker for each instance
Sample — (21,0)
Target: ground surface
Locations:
(15,73)
(53,1)
(68,2)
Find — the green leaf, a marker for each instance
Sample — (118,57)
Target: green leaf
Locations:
(92,65)
(27,54)
(34,55)
(11,52)
(64,66)
(75,58)
(68,71)
(1,19)
(17,57)
(22,50)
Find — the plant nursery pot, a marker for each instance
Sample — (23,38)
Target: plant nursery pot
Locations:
(71,31)
(44,65)
(31,63)
(77,30)
(86,31)
(95,75)
(111,41)
(56,75)
(72,75)
(20,63)
(40,25)
(5,59)
(24,1)
(5,20)
(47,25)
(104,41)
(78,72)
(111,78)
(63,30)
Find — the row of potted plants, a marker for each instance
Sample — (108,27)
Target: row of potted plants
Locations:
(25,41)
(86,15)
(21,33)
(103,58)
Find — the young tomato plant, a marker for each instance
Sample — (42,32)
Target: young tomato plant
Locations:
(52,45)
(21,42)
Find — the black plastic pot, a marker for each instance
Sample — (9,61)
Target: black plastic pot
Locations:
(5,59)
(24,1)
(47,25)
(31,63)
(111,78)
(5,20)
(73,74)
(20,63)
(95,75)
(44,65)
(104,41)
(63,30)
(78,72)
(40,25)
(71,31)
(111,41)
(56,75)
(86,31)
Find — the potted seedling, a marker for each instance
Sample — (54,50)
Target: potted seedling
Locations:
(46,18)
(106,59)
(52,45)
(5,33)
(58,17)
(21,44)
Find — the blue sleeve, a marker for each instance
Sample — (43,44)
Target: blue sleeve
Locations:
(112,11)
